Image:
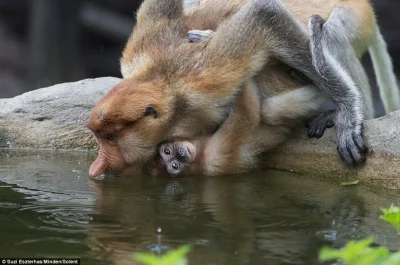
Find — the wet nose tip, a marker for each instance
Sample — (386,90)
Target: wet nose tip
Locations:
(97,168)
(93,172)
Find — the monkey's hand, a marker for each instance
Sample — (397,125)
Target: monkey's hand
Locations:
(199,35)
(319,123)
(351,146)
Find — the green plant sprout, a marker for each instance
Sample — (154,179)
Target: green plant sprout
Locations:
(361,252)
(392,215)
(173,257)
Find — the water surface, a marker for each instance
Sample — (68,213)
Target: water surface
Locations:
(50,208)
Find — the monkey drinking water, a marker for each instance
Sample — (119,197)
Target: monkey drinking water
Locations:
(173,88)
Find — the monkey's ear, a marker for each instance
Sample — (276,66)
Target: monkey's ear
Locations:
(150,110)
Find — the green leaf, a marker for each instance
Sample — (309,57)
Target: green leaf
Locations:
(349,254)
(393,259)
(173,257)
(349,183)
(147,258)
(372,256)
(360,252)
(391,215)
(177,257)
(328,254)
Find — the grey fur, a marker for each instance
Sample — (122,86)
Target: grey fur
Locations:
(199,35)
(338,33)
(292,47)
(324,43)
(287,40)
(290,43)
(315,25)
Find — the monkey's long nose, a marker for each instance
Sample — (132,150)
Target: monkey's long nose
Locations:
(98,167)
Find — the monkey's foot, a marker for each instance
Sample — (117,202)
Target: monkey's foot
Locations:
(351,145)
(199,35)
(318,123)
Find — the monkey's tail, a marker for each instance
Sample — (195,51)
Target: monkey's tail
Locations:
(384,73)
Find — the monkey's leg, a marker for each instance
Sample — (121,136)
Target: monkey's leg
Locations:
(281,114)
(350,145)
(291,45)
(317,124)
(338,35)
(289,108)
(222,153)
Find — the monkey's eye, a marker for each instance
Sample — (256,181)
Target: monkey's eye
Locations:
(96,136)
(175,166)
(167,150)
(111,137)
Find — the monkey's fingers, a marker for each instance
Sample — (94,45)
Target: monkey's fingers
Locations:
(351,147)
(318,123)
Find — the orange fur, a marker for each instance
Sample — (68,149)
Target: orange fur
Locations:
(191,85)
(237,145)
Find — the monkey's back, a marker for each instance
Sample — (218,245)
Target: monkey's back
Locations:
(209,14)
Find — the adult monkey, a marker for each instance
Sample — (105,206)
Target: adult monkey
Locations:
(168,83)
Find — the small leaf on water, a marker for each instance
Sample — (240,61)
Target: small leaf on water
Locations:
(349,183)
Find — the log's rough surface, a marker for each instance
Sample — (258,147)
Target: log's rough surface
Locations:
(319,156)
(52,117)
(55,117)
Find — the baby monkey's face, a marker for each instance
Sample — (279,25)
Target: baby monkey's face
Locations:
(176,156)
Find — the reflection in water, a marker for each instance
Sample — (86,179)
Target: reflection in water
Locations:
(49,207)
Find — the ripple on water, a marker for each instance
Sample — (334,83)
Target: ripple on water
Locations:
(53,211)
(56,218)
(47,239)
(9,205)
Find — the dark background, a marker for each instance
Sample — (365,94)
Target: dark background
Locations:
(44,42)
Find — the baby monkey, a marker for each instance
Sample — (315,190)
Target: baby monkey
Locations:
(179,158)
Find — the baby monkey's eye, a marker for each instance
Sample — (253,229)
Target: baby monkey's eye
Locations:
(167,150)
(175,166)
